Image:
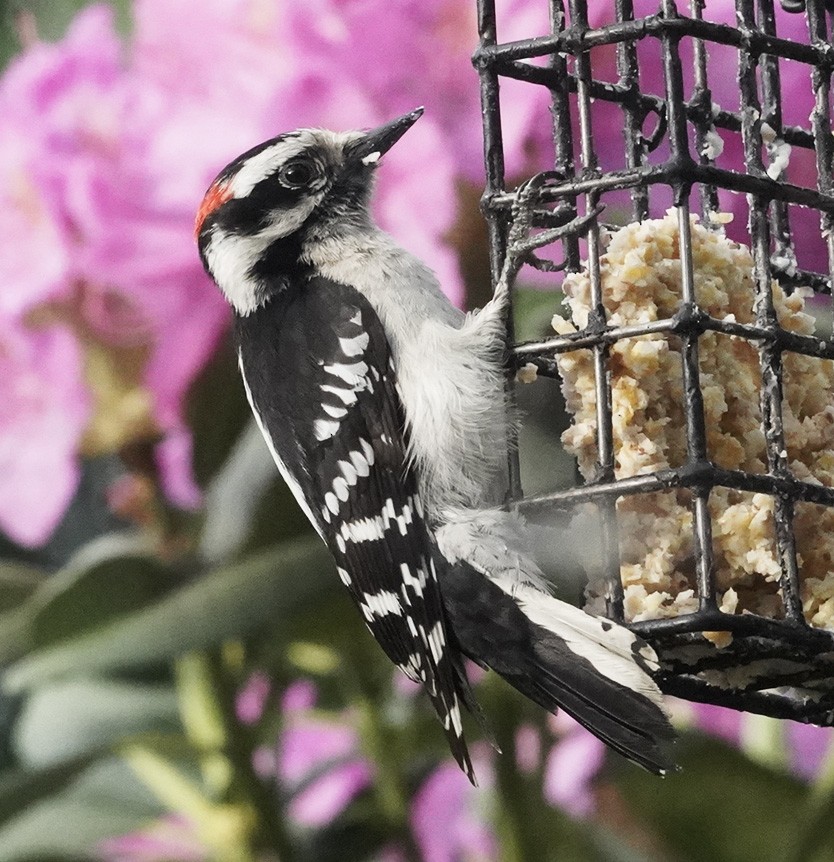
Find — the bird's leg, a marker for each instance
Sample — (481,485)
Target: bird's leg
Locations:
(521,244)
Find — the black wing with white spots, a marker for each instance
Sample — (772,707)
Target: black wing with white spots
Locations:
(343,451)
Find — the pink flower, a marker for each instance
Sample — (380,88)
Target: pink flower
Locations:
(718,721)
(44,408)
(445,816)
(572,766)
(528,749)
(91,224)
(34,266)
(307,746)
(809,747)
(805,746)
(169,838)
(363,40)
(251,699)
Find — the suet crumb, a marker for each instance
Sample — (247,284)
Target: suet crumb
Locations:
(527,373)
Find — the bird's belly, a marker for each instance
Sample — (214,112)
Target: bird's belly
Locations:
(456,419)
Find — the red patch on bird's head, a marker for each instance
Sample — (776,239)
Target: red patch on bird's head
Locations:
(216,196)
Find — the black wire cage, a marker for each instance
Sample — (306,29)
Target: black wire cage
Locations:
(666,156)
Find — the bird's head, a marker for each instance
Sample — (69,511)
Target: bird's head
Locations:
(257,214)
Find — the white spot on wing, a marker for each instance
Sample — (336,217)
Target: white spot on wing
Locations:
(360,463)
(383,603)
(455,713)
(368,450)
(351,372)
(365,529)
(416,584)
(349,472)
(437,641)
(325,428)
(355,346)
(335,412)
(340,488)
(344,576)
(346,396)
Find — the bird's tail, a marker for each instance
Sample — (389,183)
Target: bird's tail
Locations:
(553,653)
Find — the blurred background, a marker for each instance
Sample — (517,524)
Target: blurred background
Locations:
(182,677)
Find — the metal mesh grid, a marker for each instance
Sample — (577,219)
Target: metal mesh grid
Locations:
(804,689)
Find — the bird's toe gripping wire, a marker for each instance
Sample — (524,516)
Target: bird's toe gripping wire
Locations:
(526,214)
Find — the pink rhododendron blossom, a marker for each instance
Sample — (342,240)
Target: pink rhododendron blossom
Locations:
(572,766)
(252,698)
(170,838)
(528,749)
(806,746)
(809,747)
(363,41)
(447,816)
(108,146)
(718,721)
(309,744)
(44,408)
(89,229)
(289,75)
(35,264)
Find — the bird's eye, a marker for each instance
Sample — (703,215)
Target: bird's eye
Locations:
(296,175)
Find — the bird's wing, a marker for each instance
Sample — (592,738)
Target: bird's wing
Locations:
(345,453)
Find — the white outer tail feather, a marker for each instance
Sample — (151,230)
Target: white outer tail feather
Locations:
(489,541)
(605,644)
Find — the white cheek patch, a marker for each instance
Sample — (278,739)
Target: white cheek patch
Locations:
(372,158)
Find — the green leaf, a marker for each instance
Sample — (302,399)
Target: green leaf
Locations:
(532,312)
(65,720)
(20,788)
(215,431)
(17,582)
(227,603)
(106,800)
(721,807)
(247,504)
(106,579)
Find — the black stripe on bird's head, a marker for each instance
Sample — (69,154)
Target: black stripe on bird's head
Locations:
(254,217)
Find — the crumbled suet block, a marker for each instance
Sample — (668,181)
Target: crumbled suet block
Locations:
(528,373)
(641,282)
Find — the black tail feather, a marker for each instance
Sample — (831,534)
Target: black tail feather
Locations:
(492,629)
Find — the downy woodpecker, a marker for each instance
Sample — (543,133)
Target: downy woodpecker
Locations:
(384,408)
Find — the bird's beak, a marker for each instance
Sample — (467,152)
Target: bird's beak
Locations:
(375,143)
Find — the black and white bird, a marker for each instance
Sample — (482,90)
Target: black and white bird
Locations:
(384,409)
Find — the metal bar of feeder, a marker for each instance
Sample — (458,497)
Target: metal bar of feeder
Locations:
(821,124)
(686,319)
(705,474)
(602,378)
(770,356)
(496,220)
(574,40)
